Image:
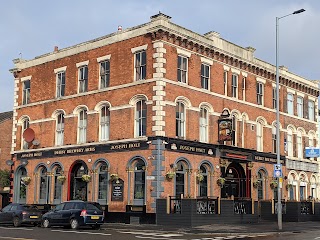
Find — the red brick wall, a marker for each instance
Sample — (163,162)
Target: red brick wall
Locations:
(5,142)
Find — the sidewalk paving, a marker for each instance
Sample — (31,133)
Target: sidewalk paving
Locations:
(255,228)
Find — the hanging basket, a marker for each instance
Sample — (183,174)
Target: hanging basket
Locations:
(221,181)
(256,184)
(273,185)
(61,179)
(86,178)
(114,176)
(170,175)
(200,177)
(289,186)
(26,180)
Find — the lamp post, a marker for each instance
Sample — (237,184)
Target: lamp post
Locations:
(279,212)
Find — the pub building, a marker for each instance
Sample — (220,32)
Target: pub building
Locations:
(173,114)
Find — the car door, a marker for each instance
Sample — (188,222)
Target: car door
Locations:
(66,212)
(5,215)
(56,214)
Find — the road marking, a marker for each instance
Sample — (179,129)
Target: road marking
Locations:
(90,233)
(16,238)
(155,234)
(14,228)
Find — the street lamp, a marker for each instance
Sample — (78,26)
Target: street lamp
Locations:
(279,212)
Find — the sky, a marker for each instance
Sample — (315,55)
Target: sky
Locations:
(29,28)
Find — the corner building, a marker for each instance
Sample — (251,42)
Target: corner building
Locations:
(154,111)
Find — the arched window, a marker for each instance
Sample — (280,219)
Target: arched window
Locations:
(82,126)
(303,192)
(299,145)
(292,190)
(180,176)
(43,186)
(60,129)
(103,183)
(204,122)
(261,184)
(139,182)
(259,136)
(25,125)
(290,143)
(21,188)
(104,123)
(203,185)
(180,120)
(141,118)
(57,195)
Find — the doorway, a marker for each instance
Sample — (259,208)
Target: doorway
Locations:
(235,182)
(78,187)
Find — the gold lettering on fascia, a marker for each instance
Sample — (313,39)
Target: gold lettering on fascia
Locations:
(125,146)
(192,149)
(28,155)
(265,159)
(77,150)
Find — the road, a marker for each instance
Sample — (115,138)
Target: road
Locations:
(37,233)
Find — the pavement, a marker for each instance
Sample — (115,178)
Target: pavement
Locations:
(264,227)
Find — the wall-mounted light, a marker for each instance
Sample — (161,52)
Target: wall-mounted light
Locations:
(89,160)
(48,162)
(24,162)
(9,162)
(82,168)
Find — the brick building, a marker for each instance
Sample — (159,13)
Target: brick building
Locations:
(158,110)
(5,138)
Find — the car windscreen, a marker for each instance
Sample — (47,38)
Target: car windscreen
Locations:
(29,207)
(93,206)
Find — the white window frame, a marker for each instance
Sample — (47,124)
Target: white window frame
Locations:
(26,92)
(204,125)
(260,93)
(274,139)
(140,118)
(181,71)
(274,98)
(83,80)
(205,76)
(104,126)
(61,84)
(290,103)
(82,126)
(234,85)
(225,82)
(104,77)
(259,136)
(299,145)
(244,79)
(311,110)
(59,130)
(140,68)
(300,106)
(181,120)
(25,124)
(290,143)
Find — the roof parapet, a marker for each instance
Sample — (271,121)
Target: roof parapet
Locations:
(160,16)
(212,35)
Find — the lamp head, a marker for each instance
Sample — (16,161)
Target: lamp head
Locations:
(299,11)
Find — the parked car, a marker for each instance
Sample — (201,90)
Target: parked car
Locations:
(74,214)
(18,214)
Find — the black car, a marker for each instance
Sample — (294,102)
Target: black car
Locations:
(18,214)
(74,214)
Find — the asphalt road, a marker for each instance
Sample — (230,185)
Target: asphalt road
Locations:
(114,233)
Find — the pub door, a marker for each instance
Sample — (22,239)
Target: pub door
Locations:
(235,184)
(78,187)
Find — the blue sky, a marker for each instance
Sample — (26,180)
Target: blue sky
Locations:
(34,27)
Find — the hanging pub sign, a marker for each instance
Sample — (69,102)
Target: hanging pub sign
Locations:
(225,127)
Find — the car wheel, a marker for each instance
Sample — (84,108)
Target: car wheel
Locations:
(96,227)
(74,223)
(46,223)
(16,222)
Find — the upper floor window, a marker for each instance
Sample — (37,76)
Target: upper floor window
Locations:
(299,145)
(61,84)
(182,69)
(140,65)
(225,82)
(83,79)
(82,126)
(259,136)
(141,118)
(204,122)
(244,79)
(60,129)
(205,74)
(180,120)
(290,103)
(259,93)
(104,74)
(274,98)
(311,110)
(234,85)
(300,106)
(26,92)
(104,123)
(290,143)
(25,125)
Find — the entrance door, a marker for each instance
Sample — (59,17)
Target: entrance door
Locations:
(78,187)
(235,184)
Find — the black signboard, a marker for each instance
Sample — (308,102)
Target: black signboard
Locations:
(71,151)
(191,147)
(117,190)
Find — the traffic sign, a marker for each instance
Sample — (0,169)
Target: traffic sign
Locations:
(277,170)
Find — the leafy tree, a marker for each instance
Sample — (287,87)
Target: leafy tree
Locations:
(4,178)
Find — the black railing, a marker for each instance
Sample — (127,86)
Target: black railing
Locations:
(242,206)
(306,208)
(175,204)
(207,205)
(283,205)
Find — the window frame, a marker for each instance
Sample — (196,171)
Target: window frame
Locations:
(104,123)
(182,71)
(82,126)
(290,103)
(234,85)
(180,119)
(141,118)
(104,74)
(83,77)
(26,92)
(61,84)
(59,138)
(140,68)
(311,115)
(300,106)
(260,92)
(205,76)
(204,125)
